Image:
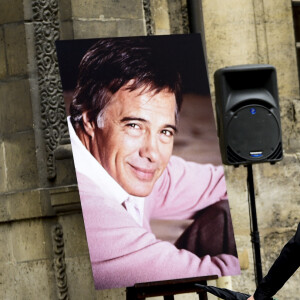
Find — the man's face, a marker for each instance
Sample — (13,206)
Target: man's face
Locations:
(136,141)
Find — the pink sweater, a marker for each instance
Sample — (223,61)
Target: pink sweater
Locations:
(123,253)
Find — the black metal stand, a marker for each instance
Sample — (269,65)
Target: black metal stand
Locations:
(254,227)
(168,288)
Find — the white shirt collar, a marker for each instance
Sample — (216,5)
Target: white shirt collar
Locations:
(86,164)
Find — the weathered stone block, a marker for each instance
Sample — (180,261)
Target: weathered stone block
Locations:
(281,40)
(230,34)
(94,29)
(11,11)
(2,55)
(31,240)
(65,10)
(74,235)
(15,107)
(176,16)
(296,107)
(4,214)
(279,48)
(130,9)
(276,190)
(16,50)
(274,241)
(114,294)
(65,172)
(97,29)
(34,280)
(130,28)
(26,204)
(245,282)
(80,278)
(20,160)
(3,175)
(66,30)
(28,13)
(287,116)
(291,289)
(5,243)
(65,199)
(291,127)
(7,276)
(160,14)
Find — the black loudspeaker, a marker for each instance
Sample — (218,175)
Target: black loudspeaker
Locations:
(248,117)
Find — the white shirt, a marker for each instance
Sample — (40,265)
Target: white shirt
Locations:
(86,164)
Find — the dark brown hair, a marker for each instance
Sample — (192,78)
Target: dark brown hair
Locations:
(112,63)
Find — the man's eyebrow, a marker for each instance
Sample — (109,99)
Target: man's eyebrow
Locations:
(126,119)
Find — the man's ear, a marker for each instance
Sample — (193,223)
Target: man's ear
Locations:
(88,125)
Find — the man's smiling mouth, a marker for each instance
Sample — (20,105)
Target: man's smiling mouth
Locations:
(143,174)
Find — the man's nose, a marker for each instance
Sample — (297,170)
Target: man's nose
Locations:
(149,148)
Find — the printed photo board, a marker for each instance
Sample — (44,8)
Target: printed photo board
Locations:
(147,160)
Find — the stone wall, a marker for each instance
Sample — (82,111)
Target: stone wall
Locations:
(40,220)
(252,32)
(42,239)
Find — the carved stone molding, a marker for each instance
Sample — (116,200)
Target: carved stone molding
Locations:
(46,32)
(185,17)
(65,199)
(148,17)
(59,262)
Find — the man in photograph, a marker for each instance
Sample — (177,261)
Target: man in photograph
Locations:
(122,123)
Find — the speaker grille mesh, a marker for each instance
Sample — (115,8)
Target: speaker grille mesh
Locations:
(233,157)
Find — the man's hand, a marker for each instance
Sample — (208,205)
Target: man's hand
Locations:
(251,298)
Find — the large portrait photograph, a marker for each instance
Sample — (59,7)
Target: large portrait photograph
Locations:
(147,160)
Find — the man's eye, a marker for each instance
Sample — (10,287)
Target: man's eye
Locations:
(133,125)
(168,133)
